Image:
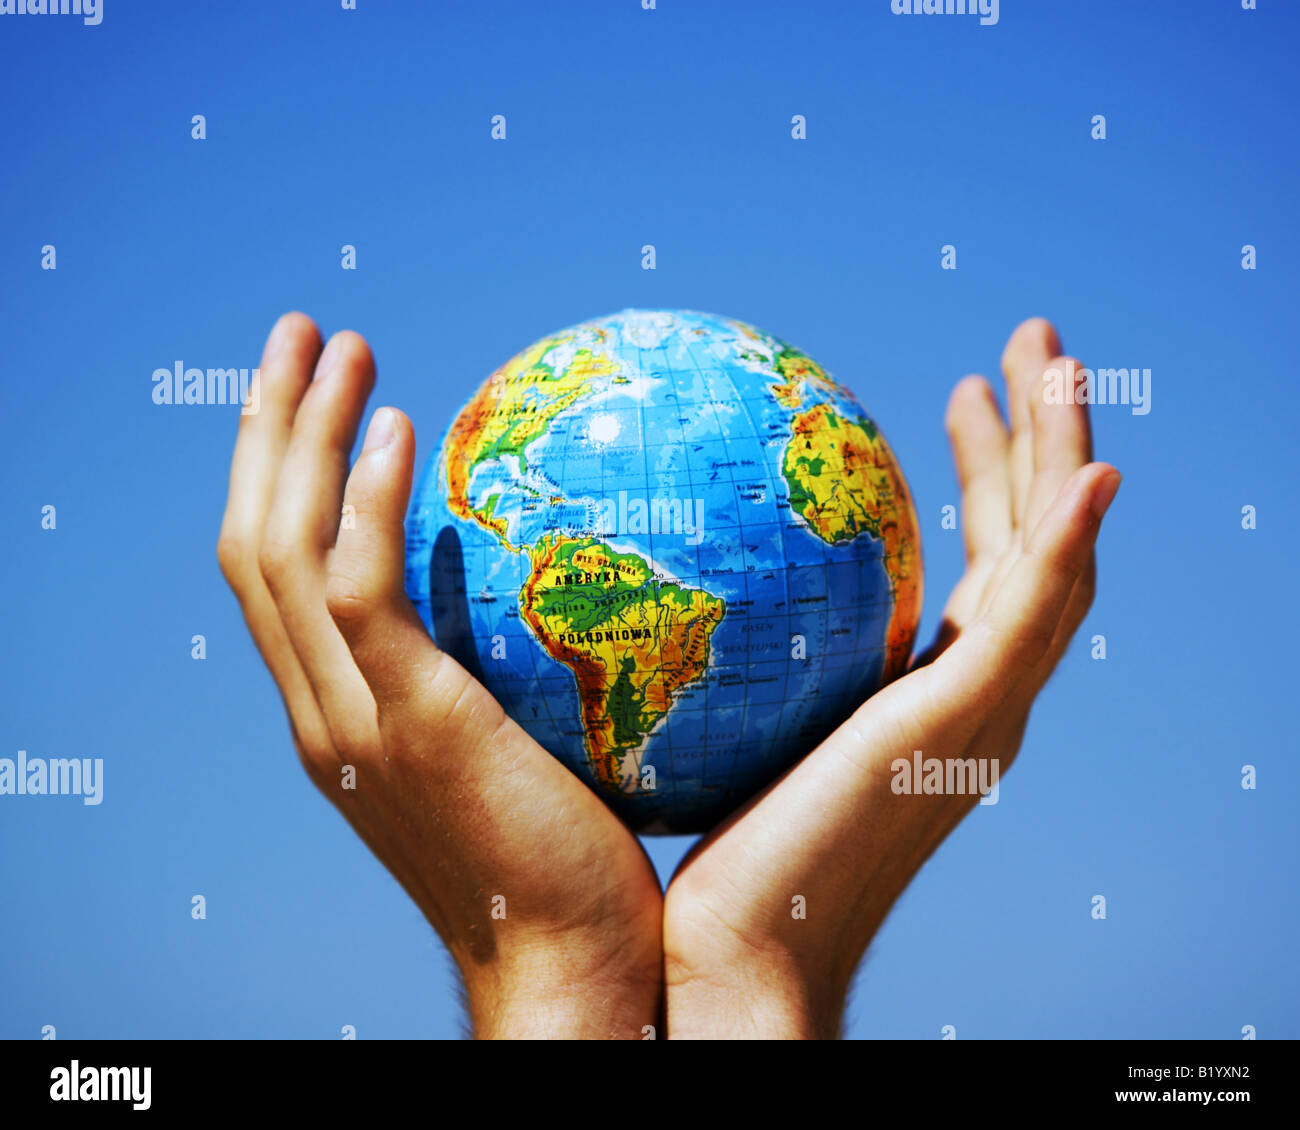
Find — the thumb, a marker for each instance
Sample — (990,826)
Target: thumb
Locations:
(1005,645)
(365,590)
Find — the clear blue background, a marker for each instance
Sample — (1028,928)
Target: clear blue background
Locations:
(628,127)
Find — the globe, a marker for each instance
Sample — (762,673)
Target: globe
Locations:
(675,549)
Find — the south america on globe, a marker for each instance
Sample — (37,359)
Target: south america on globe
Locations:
(676,551)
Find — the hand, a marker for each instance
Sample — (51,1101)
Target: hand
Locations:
(737,963)
(454,797)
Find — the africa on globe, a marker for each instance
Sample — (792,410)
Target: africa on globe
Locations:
(676,551)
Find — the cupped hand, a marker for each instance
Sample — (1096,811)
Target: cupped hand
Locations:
(546,902)
(769,916)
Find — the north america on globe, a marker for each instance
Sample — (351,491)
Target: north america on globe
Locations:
(675,549)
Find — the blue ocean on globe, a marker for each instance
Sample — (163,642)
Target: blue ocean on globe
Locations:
(675,549)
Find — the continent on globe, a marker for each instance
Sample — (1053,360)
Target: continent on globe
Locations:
(631,640)
(843,480)
(514,407)
(675,549)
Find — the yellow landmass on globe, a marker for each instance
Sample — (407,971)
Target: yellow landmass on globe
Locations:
(515,406)
(632,641)
(800,371)
(843,481)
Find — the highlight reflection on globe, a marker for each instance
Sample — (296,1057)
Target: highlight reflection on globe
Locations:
(675,550)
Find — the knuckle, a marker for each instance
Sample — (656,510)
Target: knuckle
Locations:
(461,704)
(347,601)
(358,748)
(316,757)
(315,750)
(274,561)
(235,559)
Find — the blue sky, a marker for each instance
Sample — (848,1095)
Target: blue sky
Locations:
(625,127)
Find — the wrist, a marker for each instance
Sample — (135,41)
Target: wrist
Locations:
(748,997)
(562,991)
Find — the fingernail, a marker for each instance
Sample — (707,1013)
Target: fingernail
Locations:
(381,430)
(1104,493)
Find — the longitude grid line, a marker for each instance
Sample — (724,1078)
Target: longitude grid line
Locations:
(582,722)
(740,524)
(641,416)
(771,753)
(645,464)
(827,563)
(600,462)
(699,565)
